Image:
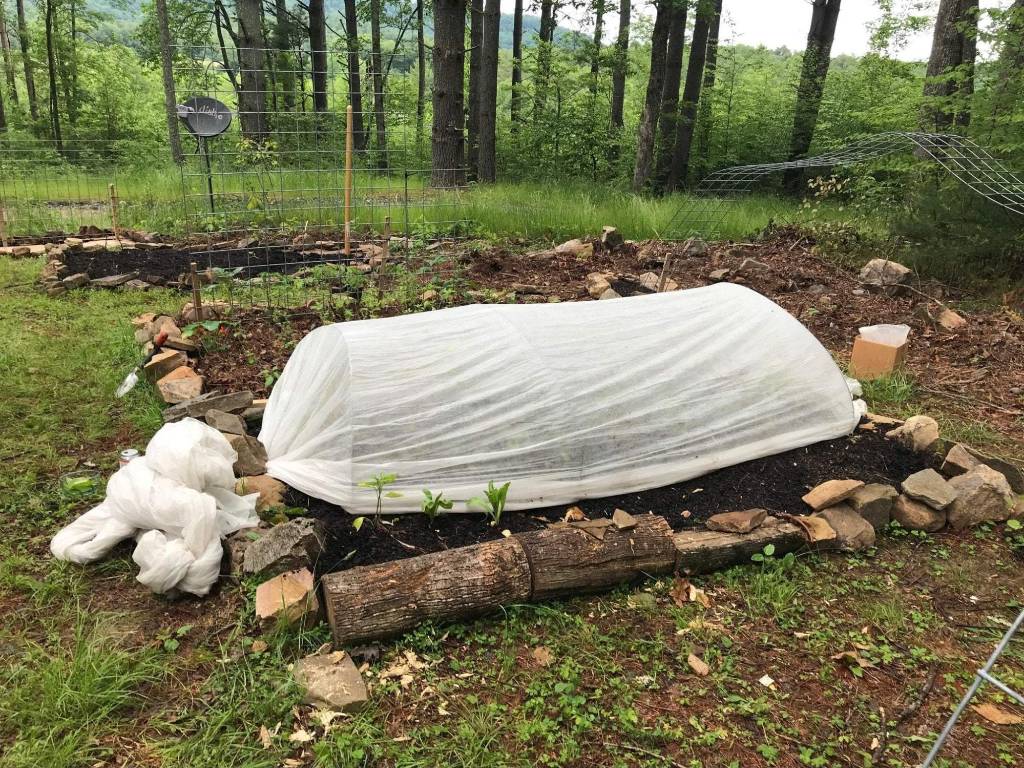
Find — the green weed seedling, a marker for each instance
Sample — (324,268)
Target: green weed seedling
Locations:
(492,503)
(378,483)
(432,505)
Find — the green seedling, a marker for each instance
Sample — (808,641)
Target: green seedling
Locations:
(378,483)
(432,505)
(492,503)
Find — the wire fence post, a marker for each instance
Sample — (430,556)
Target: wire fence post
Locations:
(3,225)
(197,299)
(115,224)
(348,181)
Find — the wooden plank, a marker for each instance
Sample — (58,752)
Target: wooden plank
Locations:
(703,551)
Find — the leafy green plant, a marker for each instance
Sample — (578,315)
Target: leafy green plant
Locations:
(492,503)
(432,505)
(774,587)
(378,483)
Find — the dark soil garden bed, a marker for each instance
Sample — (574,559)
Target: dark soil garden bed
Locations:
(775,483)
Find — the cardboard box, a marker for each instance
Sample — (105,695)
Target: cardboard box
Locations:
(872,359)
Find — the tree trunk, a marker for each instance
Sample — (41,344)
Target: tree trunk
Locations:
(565,560)
(543,76)
(373,602)
(680,166)
(26,58)
(476,36)
(595,55)
(705,115)
(252,104)
(670,90)
(167,72)
(1011,56)
(487,136)
(448,144)
(3,114)
(378,85)
(655,87)
(968,28)
(318,54)
(355,92)
(222,22)
(620,64)
(51,69)
(517,64)
(5,46)
(283,38)
(817,57)
(421,72)
(703,551)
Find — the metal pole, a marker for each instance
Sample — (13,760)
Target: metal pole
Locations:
(348,181)
(387,237)
(209,172)
(981,677)
(197,299)
(407,238)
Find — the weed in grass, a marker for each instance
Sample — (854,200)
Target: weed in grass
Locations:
(771,587)
(889,394)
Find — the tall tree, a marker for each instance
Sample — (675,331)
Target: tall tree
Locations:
(51,69)
(648,130)
(318,54)
(670,90)
(26,60)
(476,36)
(546,33)
(517,64)
(421,73)
(679,170)
(3,114)
(376,62)
(355,91)
(167,72)
(252,98)
(5,46)
(814,70)
(710,73)
(487,133)
(283,38)
(949,80)
(595,55)
(448,143)
(620,64)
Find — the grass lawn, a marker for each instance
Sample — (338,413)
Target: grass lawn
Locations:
(95,671)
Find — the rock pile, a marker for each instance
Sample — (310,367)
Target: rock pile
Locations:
(57,278)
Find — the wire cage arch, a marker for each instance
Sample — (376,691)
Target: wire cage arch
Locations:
(965,160)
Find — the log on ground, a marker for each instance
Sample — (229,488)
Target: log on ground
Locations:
(566,560)
(704,551)
(378,601)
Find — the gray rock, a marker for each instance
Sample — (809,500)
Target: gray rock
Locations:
(830,493)
(331,681)
(137,285)
(753,267)
(197,407)
(286,547)
(253,415)
(78,280)
(1013,474)
(252,456)
(609,294)
(696,247)
(718,275)
(929,487)
(918,434)
(611,239)
(915,516)
(853,532)
(597,283)
(886,276)
(56,290)
(114,281)
(958,461)
(982,496)
(874,503)
(225,422)
(737,522)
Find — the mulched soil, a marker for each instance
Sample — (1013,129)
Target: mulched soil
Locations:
(774,483)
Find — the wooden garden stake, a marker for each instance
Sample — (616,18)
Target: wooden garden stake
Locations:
(197,299)
(348,180)
(387,237)
(3,226)
(115,225)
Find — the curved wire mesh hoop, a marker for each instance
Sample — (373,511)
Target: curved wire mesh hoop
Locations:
(702,213)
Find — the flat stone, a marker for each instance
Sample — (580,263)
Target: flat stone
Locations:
(56,290)
(737,522)
(982,496)
(252,456)
(718,275)
(78,280)
(1013,474)
(197,407)
(180,385)
(874,503)
(611,293)
(225,422)
(330,681)
(929,487)
(918,433)
(958,461)
(73,242)
(286,547)
(253,415)
(830,493)
(114,281)
(289,597)
(137,285)
(163,363)
(185,345)
(853,532)
(143,320)
(575,247)
(696,247)
(915,516)
(271,491)
(622,520)
(885,275)
(597,283)
(211,310)
(950,320)
(753,267)
(649,280)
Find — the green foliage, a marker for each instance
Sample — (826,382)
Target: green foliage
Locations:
(492,503)
(378,483)
(432,505)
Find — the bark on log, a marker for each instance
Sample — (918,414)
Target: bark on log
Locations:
(565,560)
(704,551)
(377,601)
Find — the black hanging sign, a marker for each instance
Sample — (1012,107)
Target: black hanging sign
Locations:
(204,117)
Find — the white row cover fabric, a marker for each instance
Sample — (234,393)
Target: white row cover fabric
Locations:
(178,500)
(566,401)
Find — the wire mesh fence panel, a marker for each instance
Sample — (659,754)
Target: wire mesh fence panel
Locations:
(269,192)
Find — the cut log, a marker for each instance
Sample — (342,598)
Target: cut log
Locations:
(566,560)
(378,601)
(704,551)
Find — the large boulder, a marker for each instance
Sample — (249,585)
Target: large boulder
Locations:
(918,433)
(982,496)
(915,516)
(886,276)
(929,487)
(853,532)
(874,503)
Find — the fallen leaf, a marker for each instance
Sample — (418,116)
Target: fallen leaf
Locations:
(994,714)
(852,658)
(767,682)
(265,738)
(325,717)
(259,646)
(680,592)
(542,655)
(301,736)
(698,595)
(697,665)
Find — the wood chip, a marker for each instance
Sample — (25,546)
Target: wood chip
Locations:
(698,665)
(994,714)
